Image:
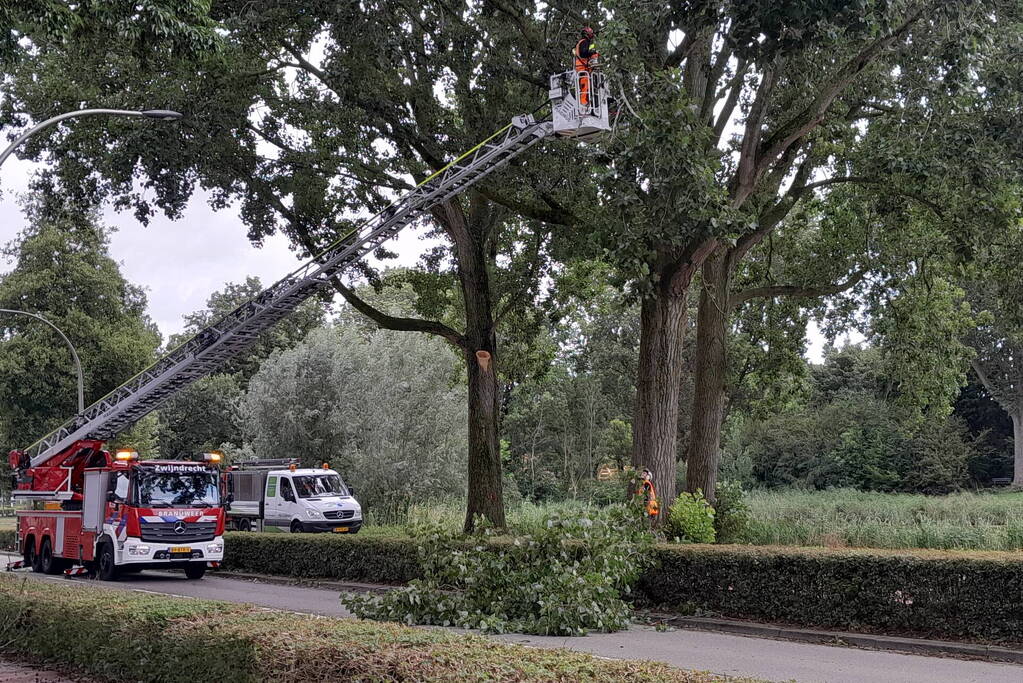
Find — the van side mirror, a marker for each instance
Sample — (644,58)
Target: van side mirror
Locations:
(289,496)
(351,491)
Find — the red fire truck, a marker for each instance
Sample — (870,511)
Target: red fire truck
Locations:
(114,514)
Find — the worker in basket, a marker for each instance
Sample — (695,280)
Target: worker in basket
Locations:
(586,56)
(651,508)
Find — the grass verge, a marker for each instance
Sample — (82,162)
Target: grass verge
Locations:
(127,636)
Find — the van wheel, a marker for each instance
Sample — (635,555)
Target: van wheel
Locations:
(243,524)
(107,570)
(297,527)
(49,564)
(195,570)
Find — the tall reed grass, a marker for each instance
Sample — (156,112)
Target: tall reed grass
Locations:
(835,518)
(845,517)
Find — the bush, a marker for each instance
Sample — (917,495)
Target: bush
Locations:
(855,441)
(604,493)
(928,593)
(732,514)
(565,579)
(7,538)
(170,639)
(691,519)
(355,558)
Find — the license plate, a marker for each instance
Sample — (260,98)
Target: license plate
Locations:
(340,530)
(181,549)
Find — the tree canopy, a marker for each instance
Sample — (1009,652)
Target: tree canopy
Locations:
(63,272)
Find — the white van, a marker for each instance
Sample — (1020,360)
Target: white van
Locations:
(291,499)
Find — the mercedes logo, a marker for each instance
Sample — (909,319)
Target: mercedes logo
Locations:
(179,528)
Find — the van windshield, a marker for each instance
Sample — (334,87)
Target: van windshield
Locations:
(312,486)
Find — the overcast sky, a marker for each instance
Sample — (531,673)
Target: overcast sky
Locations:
(179,263)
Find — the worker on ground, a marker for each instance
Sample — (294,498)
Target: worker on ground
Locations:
(646,490)
(586,56)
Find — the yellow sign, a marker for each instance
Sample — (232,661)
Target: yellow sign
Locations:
(606,473)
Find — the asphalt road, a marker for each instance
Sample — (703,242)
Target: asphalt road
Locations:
(721,653)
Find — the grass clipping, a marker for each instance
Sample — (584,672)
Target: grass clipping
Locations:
(566,578)
(121,635)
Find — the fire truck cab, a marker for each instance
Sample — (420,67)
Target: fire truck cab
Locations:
(117,514)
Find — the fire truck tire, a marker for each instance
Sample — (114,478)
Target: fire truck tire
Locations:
(49,564)
(297,527)
(195,570)
(31,557)
(105,567)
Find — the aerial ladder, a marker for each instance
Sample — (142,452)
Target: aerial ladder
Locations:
(46,469)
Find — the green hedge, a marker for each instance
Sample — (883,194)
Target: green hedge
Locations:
(6,539)
(350,558)
(946,594)
(121,635)
(938,593)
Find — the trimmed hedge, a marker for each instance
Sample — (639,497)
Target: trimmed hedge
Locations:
(7,539)
(937,593)
(947,594)
(349,558)
(121,635)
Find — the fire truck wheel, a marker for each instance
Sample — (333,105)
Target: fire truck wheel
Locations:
(195,570)
(107,570)
(31,558)
(297,527)
(47,562)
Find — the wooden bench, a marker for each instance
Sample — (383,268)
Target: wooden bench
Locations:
(1001,481)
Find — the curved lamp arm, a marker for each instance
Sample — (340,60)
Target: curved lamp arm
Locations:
(74,354)
(155,114)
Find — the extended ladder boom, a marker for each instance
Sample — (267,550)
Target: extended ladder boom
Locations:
(576,114)
(227,337)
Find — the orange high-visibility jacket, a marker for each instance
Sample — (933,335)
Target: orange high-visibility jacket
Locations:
(650,498)
(585,50)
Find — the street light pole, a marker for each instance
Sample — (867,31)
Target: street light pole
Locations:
(155,114)
(74,354)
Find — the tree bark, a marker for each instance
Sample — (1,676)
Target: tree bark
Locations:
(655,424)
(704,453)
(1017,448)
(484,496)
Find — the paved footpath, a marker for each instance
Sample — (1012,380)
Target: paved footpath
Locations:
(721,653)
(18,673)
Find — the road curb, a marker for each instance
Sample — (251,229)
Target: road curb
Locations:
(316,583)
(916,646)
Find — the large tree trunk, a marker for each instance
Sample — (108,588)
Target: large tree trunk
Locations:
(655,423)
(484,466)
(1017,448)
(704,453)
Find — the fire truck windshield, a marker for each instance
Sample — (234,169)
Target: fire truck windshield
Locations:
(319,485)
(176,489)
